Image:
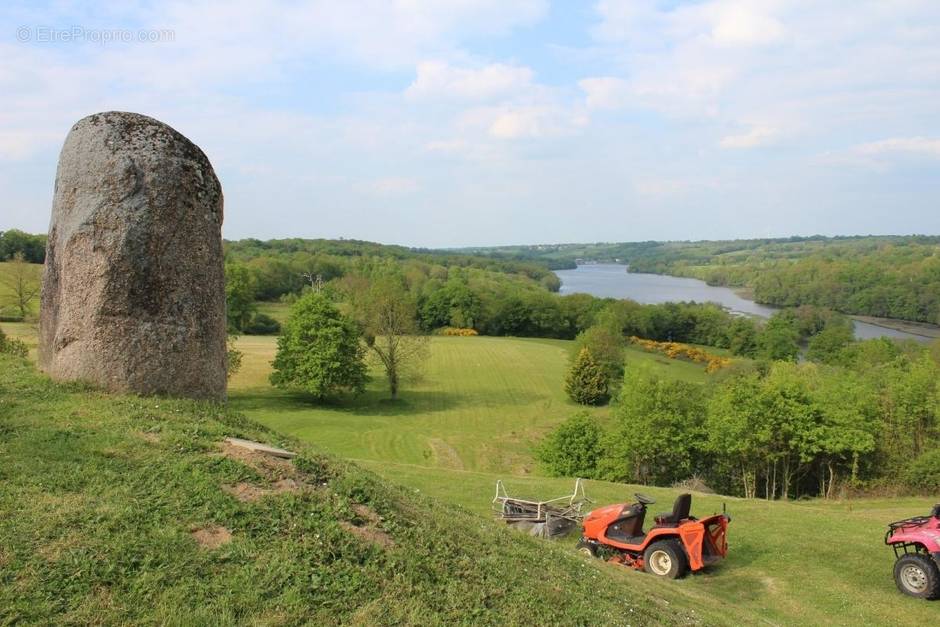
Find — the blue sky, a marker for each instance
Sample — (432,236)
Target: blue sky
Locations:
(483,122)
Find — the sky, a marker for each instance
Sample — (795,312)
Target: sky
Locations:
(489,122)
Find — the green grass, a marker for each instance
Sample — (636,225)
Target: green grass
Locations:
(102,495)
(803,563)
(482,404)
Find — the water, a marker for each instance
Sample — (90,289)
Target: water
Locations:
(613,281)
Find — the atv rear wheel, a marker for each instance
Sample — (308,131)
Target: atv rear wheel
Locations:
(586,548)
(917,575)
(665,559)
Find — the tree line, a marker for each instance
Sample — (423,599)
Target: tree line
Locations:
(867,419)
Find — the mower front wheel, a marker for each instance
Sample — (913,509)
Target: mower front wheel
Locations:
(665,559)
(917,575)
(586,548)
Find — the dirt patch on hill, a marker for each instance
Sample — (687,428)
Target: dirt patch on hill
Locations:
(247,492)
(366,526)
(211,536)
(269,467)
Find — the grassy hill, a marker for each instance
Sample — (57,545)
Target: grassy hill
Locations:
(103,496)
(128,510)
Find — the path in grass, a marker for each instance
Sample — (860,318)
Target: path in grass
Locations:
(482,404)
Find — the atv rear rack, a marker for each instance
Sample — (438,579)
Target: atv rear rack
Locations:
(548,518)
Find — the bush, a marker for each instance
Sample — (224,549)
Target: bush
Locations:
(572,450)
(263,324)
(587,382)
(319,351)
(923,474)
(12,346)
(457,332)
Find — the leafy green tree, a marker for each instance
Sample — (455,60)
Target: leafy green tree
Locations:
(319,351)
(587,382)
(573,448)
(606,345)
(659,430)
(240,288)
(829,344)
(779,339)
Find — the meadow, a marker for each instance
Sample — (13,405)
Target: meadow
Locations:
(481,406)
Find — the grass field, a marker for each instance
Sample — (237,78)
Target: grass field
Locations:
(473,418)
(120,510)
(481,404)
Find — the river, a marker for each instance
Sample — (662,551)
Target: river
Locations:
(613,281)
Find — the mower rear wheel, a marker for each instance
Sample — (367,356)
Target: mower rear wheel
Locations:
(586,548)
(665,559)
(917,575)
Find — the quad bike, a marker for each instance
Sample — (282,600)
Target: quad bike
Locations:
(676,542)
(916,544)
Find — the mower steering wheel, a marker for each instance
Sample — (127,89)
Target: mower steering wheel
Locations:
(645,500)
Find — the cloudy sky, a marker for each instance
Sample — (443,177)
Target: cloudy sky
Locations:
(473,122)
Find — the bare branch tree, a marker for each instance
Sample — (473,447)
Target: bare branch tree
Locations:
(388,316)
(22,284)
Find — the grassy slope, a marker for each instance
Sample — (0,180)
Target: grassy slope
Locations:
(101,495)
(482,403)
(803,563)
(791,563)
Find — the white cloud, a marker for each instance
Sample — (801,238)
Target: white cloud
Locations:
(756,136)
(392,186)
(439,79)
(743,24)
(605,92)
(915,145)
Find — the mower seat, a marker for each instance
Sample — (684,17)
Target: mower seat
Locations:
(680,511)
(628,527)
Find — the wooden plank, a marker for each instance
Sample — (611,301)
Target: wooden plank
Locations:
(258,447)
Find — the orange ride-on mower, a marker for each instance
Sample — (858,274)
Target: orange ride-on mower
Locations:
(676,543)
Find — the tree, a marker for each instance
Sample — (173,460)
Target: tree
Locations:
(240,288)
(605,343)
(587,382)
(22,284)
(573,449)
(658,432)
(319,351)
(388,316)
(779,339)
(827,345)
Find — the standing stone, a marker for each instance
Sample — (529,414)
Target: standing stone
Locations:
(133,295)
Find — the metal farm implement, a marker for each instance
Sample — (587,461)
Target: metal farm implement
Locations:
(546,519)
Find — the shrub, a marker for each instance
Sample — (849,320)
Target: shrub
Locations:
(923,474)
(263,324)
(572,450)
(457,331)
(11,346)
(587,382)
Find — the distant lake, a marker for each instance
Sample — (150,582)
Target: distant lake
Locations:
(613,281)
